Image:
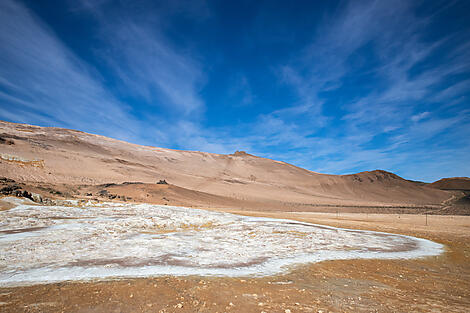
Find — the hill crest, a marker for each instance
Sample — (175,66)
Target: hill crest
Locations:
(61,156)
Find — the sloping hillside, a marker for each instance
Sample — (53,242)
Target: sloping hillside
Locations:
(453,183)
(61,156)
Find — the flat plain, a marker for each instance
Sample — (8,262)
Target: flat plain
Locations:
(431,284)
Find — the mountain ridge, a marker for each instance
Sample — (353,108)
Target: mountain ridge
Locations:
(61,156)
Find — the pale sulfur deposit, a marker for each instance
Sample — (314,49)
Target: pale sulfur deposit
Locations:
(40,244)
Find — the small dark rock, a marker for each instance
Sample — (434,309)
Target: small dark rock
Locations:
(162,182)
(6,180)
(5,141)
(25,194)
(8,190)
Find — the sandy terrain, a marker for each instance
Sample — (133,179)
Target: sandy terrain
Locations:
(433,284)
(59,156)
(48,165)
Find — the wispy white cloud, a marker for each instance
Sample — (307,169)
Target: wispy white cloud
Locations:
(148,65)
(418,117)
(43,82)
(395,111)
(453,91)
(154,70)
(402,117)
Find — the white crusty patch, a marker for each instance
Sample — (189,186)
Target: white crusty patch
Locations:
(41,244)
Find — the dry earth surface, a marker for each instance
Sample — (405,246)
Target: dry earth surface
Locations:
(53,157)
(66,164)
(433,284)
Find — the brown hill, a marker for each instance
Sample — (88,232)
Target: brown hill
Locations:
(453,183)
(68,157)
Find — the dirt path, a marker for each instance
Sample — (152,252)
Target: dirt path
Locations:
(434,284)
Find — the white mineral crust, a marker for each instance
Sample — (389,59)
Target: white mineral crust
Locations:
(41,244)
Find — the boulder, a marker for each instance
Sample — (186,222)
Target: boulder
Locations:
(36,197)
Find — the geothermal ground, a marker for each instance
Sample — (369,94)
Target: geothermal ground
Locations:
(41,244)
(425,284)
(222,233)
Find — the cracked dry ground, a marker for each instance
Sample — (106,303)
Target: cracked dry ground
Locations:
(434,284)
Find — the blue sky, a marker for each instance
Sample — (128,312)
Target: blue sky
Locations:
(332,86)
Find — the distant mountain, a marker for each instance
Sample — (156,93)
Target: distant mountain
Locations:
(453,183)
